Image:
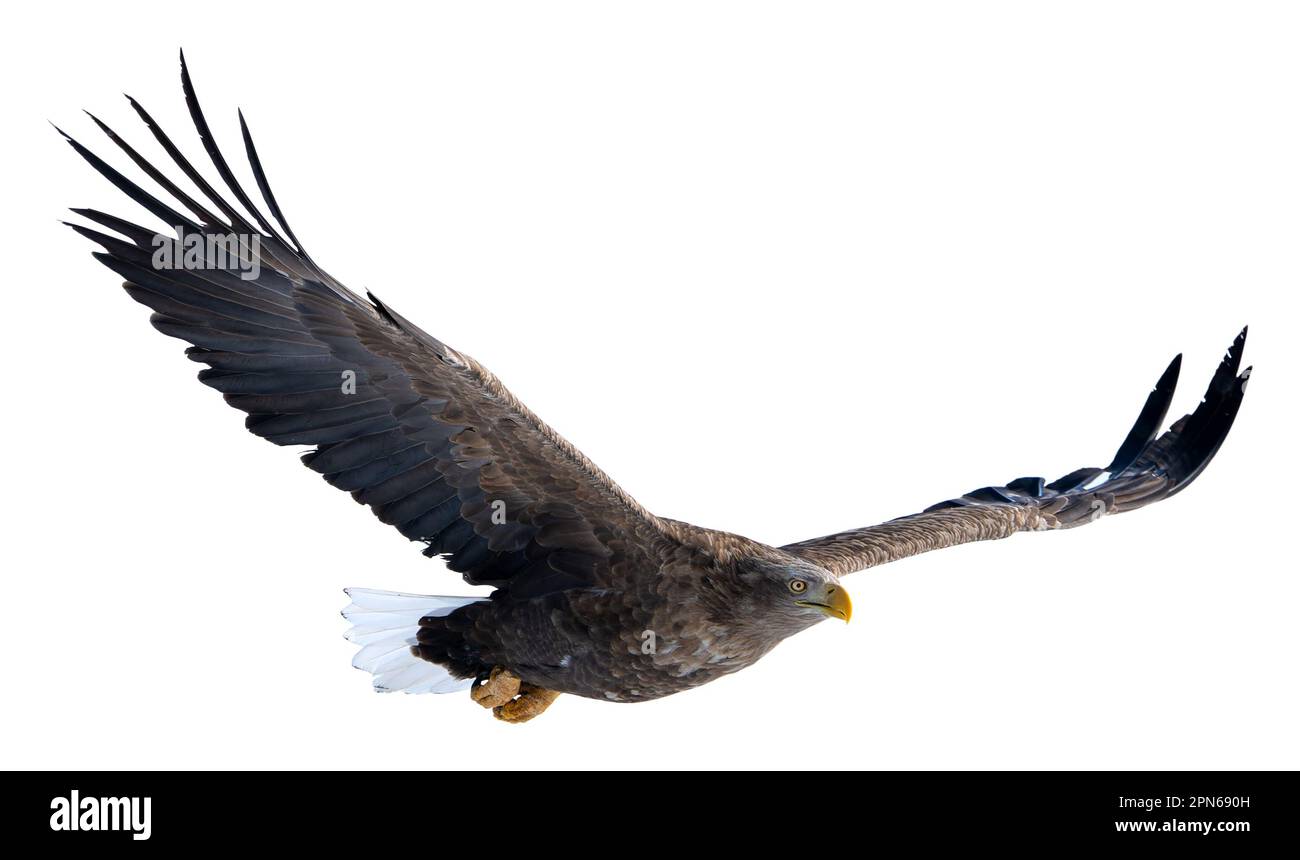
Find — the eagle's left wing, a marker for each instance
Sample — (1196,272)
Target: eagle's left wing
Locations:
(1146,469)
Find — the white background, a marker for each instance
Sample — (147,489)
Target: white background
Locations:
(781,269)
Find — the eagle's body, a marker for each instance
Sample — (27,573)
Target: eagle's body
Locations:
(594,595)
(640,632)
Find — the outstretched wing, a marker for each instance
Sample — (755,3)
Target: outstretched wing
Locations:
(1146,469)
(421,433)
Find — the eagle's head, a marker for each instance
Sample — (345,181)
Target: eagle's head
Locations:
(778,598)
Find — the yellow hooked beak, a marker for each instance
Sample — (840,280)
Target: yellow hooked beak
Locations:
(836,603)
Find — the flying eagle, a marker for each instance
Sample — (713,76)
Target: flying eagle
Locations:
(594,595)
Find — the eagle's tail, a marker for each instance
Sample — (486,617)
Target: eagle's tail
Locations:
(385,624)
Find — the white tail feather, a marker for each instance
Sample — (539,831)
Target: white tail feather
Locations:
(384,624)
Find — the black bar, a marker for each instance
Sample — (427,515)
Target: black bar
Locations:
(428,810)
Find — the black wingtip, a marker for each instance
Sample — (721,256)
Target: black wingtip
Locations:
(214,154)
(264,185)
(131,189)
(186,84)
(1146,469)
(66,136)
(1232,358)
(1238,345)
(1202,432)
(1168,380)
(1150,419)
(1226,373)
(102,127)
(108,243)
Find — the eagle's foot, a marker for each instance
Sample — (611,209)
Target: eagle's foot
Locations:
(497,689)
(532,701)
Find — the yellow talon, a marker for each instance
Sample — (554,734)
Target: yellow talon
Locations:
(532,701)
(500,687)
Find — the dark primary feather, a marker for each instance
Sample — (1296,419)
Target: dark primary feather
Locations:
(1150,419)
(1144,470)
(214,153)
(264,186)
(429,440)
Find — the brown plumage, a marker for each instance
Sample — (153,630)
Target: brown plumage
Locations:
(594,595)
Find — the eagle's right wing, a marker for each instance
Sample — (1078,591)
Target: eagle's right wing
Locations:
(1146,469)
(421,433)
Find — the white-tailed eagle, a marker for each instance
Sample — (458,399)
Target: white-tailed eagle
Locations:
(594,595)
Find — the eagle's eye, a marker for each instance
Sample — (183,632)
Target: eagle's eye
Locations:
(798,586)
